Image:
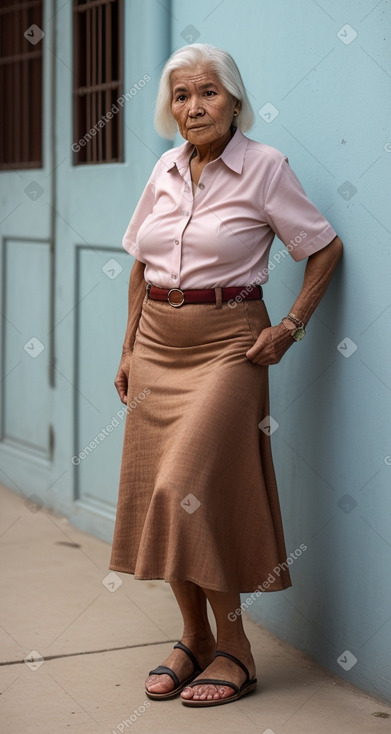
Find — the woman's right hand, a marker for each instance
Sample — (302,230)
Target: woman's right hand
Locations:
(121,380)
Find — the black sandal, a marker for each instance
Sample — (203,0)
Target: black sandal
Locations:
(179,686)
(248,685)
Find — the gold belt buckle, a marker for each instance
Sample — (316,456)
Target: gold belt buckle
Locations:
(176,305)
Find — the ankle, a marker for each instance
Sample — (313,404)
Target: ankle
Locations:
(202,635)
(237,647)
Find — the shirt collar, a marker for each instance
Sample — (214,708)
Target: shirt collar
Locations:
(232,155)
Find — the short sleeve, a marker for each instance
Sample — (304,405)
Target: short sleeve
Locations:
(143,209)
(293,217)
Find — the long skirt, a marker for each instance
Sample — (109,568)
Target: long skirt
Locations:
(198,499)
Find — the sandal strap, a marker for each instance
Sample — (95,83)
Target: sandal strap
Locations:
(235,660)
(163,669)
(215,682)
(188,652)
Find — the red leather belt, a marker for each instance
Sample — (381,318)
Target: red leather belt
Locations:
(176,297)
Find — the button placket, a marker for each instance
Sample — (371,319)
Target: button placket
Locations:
(186,209)
(177,256)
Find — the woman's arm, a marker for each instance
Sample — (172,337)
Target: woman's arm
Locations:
(274,341)
(136,294)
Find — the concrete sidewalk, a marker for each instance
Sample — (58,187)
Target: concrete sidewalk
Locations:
(99,637)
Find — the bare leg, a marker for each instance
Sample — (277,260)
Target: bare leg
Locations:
(197,636)
(231,638)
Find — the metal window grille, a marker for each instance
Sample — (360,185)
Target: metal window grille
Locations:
(21,84)
(98,74)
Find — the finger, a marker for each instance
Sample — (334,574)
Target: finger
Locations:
(262,343)
(251,353)
(121,387)
(255,350)
(123,395)
(260,351)
(263,362)
(263,356)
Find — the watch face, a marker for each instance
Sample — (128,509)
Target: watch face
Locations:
(299,334)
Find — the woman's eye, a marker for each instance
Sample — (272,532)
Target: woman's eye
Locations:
(180,98)
(210,91)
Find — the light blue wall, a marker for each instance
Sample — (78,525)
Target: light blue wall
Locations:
(333,411)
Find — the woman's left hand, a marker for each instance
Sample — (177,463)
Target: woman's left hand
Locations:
(270,346)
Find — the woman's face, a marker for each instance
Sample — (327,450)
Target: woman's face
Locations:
(201,106)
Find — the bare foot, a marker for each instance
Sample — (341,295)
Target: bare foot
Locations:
(222,669)
(180,663)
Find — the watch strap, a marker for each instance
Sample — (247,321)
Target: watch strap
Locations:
(297,330)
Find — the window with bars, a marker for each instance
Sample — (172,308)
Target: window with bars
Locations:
(98,74)
(21,37)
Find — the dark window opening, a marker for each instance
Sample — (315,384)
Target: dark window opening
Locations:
(21,41)
(98,74)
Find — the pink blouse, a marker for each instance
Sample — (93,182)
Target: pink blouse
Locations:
(222,235)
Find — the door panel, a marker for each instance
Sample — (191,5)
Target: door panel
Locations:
(26,341)
(103,277)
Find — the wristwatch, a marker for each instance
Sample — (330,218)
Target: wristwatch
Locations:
(295,326)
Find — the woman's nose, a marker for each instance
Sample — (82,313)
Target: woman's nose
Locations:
(195,108)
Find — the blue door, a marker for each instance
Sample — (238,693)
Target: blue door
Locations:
(64,272)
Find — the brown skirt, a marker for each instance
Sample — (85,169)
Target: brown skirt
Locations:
(198,497)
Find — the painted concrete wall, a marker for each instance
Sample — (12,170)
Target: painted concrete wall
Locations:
(325,68)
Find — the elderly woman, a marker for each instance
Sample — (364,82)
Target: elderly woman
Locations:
(198,503)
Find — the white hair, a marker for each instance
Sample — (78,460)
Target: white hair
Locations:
(222,64)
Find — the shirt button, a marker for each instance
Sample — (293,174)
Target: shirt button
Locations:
(176,242)
(174,277)
(186,214)
(201,186)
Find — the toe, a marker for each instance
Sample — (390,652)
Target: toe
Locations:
(209,692)
(187,693)
(159,684)
(226,691)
